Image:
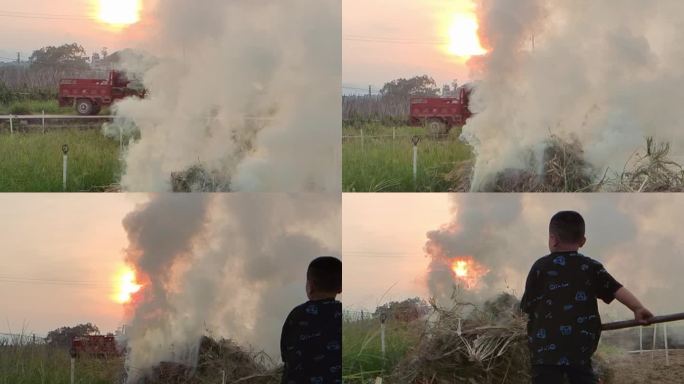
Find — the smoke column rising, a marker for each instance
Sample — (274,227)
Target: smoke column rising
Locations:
(607,73)
(635,236)
(229,265)
(249,90)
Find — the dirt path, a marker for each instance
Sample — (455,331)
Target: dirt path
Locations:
(640,369)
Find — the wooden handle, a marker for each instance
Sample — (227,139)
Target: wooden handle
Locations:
(634,323)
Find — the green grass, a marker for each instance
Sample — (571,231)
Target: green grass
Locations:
(35,107)
(32,162)
(385,164)
(40,364)
(362,359)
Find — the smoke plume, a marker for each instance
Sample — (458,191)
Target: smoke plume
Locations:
(634,236)
(247,90)
(231,266)
(605,73)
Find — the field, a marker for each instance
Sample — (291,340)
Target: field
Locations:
(362,358)
(36,107)
(363,361)
(378,158)
(38,364)
(32,162)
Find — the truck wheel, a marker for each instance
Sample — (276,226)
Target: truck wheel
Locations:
(437,128)
(84,107)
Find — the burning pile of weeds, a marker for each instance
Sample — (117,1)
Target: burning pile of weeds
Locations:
(198,179)
(218,359)
(564,169)
(467,344)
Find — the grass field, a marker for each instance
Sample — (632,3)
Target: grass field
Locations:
(383,160)
(32,162)
(40,364)
(362,358)
(31,107)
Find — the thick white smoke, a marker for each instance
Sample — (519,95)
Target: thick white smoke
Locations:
(248,90)
(232,265)
(635,236)
(607,73)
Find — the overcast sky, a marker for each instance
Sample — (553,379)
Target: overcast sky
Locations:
(637,237)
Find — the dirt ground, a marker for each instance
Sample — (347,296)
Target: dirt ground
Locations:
(639,369)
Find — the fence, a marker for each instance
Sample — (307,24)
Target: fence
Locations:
(17,122)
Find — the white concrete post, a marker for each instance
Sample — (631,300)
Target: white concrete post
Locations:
(65,163)
(415,140)
(667,352)
(43,119)
(73,368)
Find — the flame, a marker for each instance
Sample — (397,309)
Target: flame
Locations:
(468,271)
(463,38)
(126,286)
(119,12)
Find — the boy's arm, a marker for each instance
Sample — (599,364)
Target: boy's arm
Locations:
(530,289)
(641,314)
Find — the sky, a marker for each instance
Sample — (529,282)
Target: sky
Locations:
(384,40)
(59,256)
(27,25)
(636,237)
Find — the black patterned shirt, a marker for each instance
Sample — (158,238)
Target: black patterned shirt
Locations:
(560,298)
(311,343)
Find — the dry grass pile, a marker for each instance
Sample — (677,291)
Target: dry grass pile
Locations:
(198,179)
(218,359)
(469,345)
(565,169)
(653,171)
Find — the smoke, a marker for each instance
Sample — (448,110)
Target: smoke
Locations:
(607,73)
(634,236)
(248,90)
(231,266)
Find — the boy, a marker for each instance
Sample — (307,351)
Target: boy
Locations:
(561,300)
(311,341)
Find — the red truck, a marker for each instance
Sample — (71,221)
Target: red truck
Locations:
(99,346)
(88,96)
(440,114)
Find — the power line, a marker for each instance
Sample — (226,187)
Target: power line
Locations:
(392,40)
(42,16)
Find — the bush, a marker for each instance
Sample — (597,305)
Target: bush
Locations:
(20,109)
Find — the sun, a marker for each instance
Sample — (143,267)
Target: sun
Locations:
(119,12)
(463,38)
(125,286)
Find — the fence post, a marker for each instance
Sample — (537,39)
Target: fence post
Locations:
(394,133)
(641,340)
(65,161)
(43,122)
(11,125)
(73,368)
(655,328)
(383,317)
(362,141)
(667,352)
(415,140)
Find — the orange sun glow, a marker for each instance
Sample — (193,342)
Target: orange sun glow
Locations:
(119,12)
(463,38)
(125,286)
(468,271)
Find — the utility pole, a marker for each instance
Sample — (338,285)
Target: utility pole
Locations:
(18,57)
(370,92)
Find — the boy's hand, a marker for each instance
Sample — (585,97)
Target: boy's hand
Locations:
(643,315)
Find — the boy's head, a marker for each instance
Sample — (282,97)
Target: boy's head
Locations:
(324,278)
(566,231)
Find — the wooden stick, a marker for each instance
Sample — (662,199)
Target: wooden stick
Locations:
(634,323)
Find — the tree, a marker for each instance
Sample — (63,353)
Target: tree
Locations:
(61,337)
(406,311)
(403,89)
(65,57)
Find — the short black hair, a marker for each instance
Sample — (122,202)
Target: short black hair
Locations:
(568,226)
(325,273)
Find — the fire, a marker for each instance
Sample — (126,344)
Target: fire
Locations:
(119,12)
(463,38)
(126,286)
(468,271)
